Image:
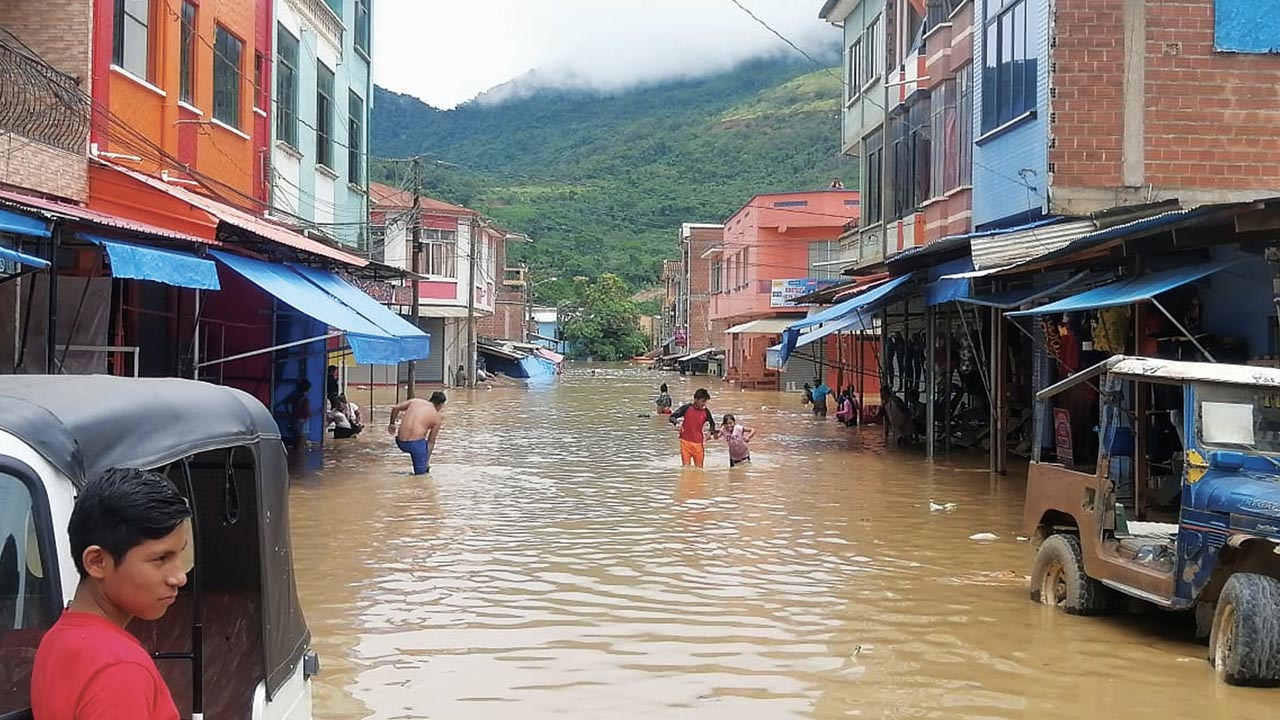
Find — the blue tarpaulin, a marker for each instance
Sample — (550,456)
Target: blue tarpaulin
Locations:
(942,289)
(859,306)
(22,224)
(1127,292)
(171,267)
(370,344)
(415,343)
(22,258)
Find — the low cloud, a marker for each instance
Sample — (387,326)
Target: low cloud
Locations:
(580,44)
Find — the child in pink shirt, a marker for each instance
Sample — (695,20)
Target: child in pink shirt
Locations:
(736,437)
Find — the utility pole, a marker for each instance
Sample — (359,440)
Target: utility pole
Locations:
(473,254)
(416,234)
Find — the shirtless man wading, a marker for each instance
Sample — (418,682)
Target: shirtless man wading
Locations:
(420,422)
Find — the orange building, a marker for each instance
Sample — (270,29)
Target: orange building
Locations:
(184,83)
(778,246)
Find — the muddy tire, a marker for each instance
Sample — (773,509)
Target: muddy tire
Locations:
(1244,644)
(1058,579)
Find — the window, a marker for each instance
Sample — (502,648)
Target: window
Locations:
(872,59)
(439,253)
(26,591)
(717,277)
(945,132)
(261,94)
(187,55)
(854,79)
(355,139)
(1009,71)
(286,87)
(324,115)
(362,26)
(873,178)
(822,252)
(964,98)
(227,49)
(335,6)
(910,157)
(132,36)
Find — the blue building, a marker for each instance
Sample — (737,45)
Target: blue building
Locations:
(320,129)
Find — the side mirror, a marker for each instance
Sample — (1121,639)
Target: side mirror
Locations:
(1226,460)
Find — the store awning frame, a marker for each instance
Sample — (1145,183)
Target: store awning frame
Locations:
(415,343)
(19,223)
(762,326)
(861,304)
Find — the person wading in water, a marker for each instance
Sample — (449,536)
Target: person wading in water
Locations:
(690,419)
(420,423)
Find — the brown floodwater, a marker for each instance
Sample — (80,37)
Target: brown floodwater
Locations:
(558,562)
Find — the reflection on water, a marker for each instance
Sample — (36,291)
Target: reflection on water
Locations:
(558,562)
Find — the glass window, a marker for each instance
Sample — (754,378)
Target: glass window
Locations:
(872,58)
(964,99)
(132,36)
(227,50)
(717,276)
(820,253)
(362,25)
(355,139)
(1240,416)
(187,55)
(26,590)
(324,115)
(872,178)
(855,69)
(286,87)
(1010,67)
(439,252)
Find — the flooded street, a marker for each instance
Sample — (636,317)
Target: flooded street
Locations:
(559,563)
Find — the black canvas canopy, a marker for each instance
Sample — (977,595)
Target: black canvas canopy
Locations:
(85,424)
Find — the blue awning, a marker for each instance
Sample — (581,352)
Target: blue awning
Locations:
(22,224)
(171,267)
(22,258)
(415,343)
(1127,292)
(859,306)
(370,344)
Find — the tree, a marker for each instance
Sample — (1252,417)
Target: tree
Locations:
(604,323)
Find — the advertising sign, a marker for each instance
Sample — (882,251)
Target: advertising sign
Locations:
(786,290)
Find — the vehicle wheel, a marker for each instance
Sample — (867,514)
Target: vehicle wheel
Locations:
(1058,578)
(1244,644)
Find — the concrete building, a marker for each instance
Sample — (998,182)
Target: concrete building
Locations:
(697,243)
(775,248)
(672,317)
(451,237)
(319,138)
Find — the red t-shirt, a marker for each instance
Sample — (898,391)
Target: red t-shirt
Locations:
(88,668)
(692,424)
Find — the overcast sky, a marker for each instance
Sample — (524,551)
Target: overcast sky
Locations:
(447,51)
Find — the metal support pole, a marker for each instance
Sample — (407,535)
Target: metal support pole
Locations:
(195,342)
(1000,367)
(51,337)
(416,253)
(1183,330)
(948,383)
(931,378)
(473,257)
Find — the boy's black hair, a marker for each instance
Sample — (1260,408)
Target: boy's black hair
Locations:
(121,509)
(438,398)
(662,388)
(701,394)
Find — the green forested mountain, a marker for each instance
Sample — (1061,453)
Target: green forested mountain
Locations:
(603,182)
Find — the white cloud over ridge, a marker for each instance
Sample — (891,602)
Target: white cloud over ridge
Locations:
(446,51)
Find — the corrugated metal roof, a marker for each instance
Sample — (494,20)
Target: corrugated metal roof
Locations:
(1001,249)
(59,210)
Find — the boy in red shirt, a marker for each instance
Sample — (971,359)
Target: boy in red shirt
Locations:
(690,419)
(131,544)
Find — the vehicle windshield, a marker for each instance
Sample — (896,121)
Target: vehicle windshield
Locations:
(1239,417)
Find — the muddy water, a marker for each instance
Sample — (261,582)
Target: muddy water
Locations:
(559,563)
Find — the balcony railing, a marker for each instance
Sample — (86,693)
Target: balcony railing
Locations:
(39,103)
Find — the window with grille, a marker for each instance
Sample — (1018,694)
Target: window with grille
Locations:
(820,253)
